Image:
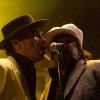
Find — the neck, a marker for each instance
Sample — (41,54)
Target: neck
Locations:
(68,65)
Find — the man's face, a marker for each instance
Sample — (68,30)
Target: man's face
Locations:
(32,46)
(70,47)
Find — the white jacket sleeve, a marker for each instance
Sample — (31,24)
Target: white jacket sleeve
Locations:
(2,78)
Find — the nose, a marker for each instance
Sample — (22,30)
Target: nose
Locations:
(42,39)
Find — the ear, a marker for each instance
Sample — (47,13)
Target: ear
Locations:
(15,43)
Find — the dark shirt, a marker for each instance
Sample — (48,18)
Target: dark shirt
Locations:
(57,87)
(27,67)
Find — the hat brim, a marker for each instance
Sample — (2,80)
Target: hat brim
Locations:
(51,34)
(38,24)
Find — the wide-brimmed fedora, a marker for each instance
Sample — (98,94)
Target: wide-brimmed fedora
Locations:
(14,27)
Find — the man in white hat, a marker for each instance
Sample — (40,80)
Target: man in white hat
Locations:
(25,45)
(69,62)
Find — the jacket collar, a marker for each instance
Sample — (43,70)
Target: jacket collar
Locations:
(75,75)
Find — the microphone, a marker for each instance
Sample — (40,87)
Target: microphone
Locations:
(56,47)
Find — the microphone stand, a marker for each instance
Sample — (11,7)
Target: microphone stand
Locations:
(59,73)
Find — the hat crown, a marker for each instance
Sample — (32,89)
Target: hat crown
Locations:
(76,32)
(70,29)
(16,24)
(75,29)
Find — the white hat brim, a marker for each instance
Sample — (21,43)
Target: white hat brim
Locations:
(51,34)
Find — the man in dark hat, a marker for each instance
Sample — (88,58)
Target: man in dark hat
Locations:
(25,45)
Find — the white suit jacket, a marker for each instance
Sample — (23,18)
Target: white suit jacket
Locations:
(12,83)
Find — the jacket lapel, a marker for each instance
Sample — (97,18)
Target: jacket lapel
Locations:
(75,75)
(19,77)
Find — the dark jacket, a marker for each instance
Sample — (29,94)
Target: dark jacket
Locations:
(88,87)
(83,83)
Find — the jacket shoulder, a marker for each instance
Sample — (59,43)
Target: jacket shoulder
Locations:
(3,73)
(6,67)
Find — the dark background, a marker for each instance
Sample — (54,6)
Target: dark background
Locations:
(83,13)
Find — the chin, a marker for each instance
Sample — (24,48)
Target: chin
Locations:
(40,58)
